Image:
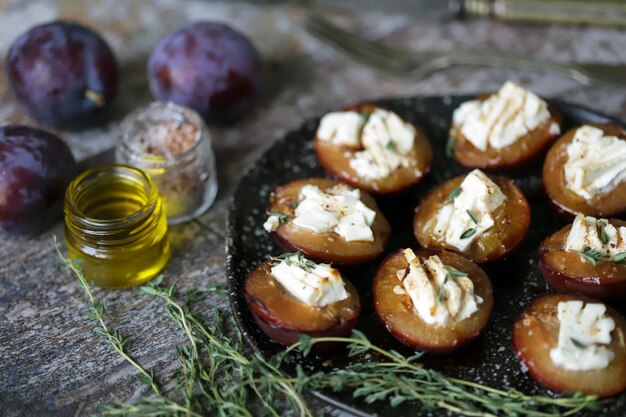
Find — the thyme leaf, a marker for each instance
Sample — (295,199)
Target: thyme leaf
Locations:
(468,233)
(391,145)
(455,272)
(450,146)
(577,343)
(472,216)
(619,257)
(365,114)
(453,194)
(442,294)
(604,238)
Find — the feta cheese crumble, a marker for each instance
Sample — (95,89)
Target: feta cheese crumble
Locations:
(384,139)
(597,234)
(314,284)
(582,333)
(595,163)
(503,118)
(338,209)
(272,223)
(438,295)
(469,214)
(341,128)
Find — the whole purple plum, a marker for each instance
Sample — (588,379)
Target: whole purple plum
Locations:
(206,66)
(35,168)
(63,74)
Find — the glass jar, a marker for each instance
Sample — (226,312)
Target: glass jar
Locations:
(172,144)
(115,223)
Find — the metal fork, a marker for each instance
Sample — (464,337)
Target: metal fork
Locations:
(420,64)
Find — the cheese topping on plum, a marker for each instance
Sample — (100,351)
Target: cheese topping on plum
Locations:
(387,140)
(602,238)
(440,295)
(314,284)
(338,210)
(468,213)
(384,140)
(503,118)
(582,333)
(341,128)
(272,223)
(595,163)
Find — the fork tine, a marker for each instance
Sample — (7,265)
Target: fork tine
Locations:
(358,48)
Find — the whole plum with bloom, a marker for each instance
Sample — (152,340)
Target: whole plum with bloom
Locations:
(206,66)
(62,74)
(36,168)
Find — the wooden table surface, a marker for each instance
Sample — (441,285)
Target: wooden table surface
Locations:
(51,362)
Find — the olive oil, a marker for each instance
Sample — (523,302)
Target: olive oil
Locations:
(115,223)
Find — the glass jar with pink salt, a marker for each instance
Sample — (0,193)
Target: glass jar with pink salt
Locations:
(172,144)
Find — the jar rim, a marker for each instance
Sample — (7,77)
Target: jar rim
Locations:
(135,218)
(158,161)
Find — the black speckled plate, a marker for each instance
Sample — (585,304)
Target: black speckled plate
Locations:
(490,360)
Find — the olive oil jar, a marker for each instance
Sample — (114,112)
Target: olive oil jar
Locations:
(115,223)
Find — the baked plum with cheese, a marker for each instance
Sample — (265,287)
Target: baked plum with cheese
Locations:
(572,344)
(503,131)
(327,221)
(290,296)
(588,256)
(585,171)
(433,301)
(482,217)
(373,149)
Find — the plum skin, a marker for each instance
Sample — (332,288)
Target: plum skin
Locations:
(62,74)
(36,169)
(206,66)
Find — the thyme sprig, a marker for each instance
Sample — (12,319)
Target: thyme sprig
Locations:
(219,375)
(96,311)
(398,379)
(594,256)
(300,260)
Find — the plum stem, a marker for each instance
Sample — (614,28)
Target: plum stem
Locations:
(97,98)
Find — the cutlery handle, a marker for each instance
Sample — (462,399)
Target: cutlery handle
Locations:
(597,12)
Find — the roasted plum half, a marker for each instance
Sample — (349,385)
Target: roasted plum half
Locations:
(284,318)
(335,159)
(326,246)
(511,221)
(536,333)
(397,313)
(524,151)
(611,203)
(569,271)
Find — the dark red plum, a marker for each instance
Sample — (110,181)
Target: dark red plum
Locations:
(35,168)
(206,66)
(63,74)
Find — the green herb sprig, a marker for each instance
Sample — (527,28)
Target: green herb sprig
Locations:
(398,379)
(300,260)
(219,375)
(96,311)
(594,256)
